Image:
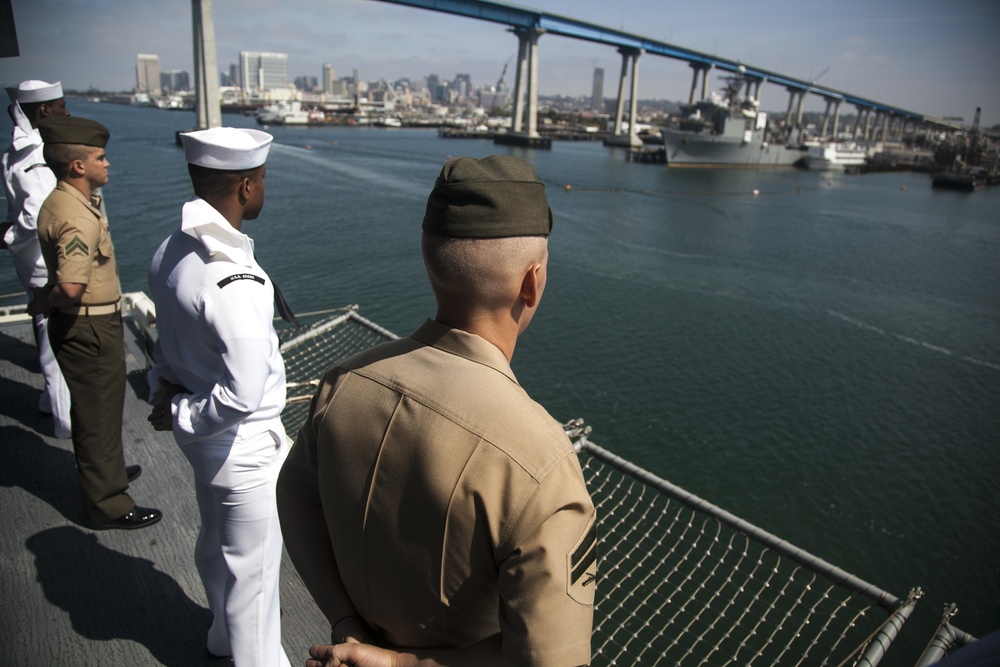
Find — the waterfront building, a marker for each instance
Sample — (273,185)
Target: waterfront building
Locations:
(597,97)
(147,73)
(340,88)
(260,71)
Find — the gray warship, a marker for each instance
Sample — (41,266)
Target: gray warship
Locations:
(727,130)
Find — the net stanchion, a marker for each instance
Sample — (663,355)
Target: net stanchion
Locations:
(946,639)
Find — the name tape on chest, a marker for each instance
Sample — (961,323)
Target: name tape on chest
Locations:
(239,276)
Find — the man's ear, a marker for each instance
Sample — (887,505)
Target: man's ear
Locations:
(244,190)
(529,285)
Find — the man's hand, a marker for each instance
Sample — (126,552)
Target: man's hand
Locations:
(4,226)
(39,304)
(351,654)
(162,416)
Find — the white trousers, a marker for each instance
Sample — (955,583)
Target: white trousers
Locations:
(238,553)
(31,272)
(55,395)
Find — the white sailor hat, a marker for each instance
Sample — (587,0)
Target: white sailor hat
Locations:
(226,148)
(32,90)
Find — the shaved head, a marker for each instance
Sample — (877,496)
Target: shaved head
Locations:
(480,273)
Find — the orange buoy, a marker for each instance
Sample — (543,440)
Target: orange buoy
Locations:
(568,187)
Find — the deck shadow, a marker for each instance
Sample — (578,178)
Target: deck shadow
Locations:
(109,595)
(19,353)
(46,472)
(137,383)
(20,403)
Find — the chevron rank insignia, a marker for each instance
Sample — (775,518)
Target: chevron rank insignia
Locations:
(76,246)
(581,567)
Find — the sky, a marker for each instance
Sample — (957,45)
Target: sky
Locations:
(926,56)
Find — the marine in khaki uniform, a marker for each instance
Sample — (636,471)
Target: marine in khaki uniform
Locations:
(430,505)
(85,325)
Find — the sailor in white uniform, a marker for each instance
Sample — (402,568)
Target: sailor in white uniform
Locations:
(219,385)
(28,181)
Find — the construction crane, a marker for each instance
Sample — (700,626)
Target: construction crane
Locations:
(819,75)
(501,82)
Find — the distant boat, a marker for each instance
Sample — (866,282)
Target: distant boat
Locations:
(176,102)
(287,113)
(727,130)
(961,179)
(828,156)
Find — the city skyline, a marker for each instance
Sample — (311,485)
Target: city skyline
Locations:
(927,57)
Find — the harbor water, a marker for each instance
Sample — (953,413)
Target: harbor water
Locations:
(817,353)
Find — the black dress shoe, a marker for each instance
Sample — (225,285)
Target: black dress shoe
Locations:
(139,517)
(133,472)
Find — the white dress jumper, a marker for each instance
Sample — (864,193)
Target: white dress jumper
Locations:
(28,182)
(216,338)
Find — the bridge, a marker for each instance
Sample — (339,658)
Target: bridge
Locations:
(529,24)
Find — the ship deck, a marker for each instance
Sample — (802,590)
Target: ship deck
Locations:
(79,597)
(73,596)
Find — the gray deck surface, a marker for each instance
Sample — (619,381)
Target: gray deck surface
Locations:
(72,596)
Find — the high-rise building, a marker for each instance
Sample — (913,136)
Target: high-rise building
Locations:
(307,83)
(261,71)
(463,84)
(341,87)
(597,97)
(329,78)
(175,80)
(434,87)
(147,73)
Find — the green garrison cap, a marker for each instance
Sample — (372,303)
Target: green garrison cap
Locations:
(73,130)
(494,197)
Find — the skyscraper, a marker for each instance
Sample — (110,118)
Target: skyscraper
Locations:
(306,82)
(463,84)
(175,80)
(329,78)
(261,71)
(147,73)
(597,96)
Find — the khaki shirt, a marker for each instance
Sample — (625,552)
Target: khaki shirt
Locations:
(76,245)
(456,505)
